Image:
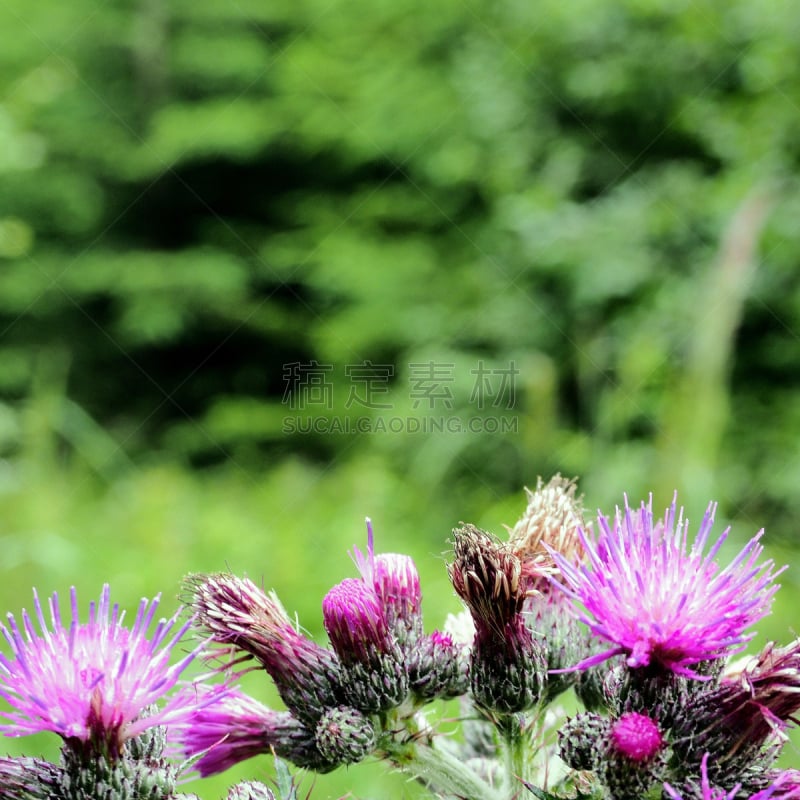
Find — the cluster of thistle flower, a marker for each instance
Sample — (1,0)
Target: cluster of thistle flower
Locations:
(633,617)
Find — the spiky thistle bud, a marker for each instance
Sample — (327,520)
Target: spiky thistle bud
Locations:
(250,790)
(626,754)
(438,667)
(92,775)
(245,619)
(28,779)
(374,674)
(345,736)
(507,665)
(579,738)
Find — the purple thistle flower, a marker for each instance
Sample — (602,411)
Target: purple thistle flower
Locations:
(95,681)
(661,602)
(233,727)
(785,787)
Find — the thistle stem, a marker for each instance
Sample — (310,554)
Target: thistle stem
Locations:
(443,771)
(516,746)
(451,774)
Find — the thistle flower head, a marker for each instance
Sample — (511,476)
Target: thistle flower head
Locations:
(355,622)
(232,727)
(395,580)
(486,576)
(507,666)
(785,787)
(660,601)
(751,706)
(551,521)
(374,675)
(94,682)
(241,616)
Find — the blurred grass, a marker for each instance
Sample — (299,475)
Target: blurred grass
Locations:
(290,527)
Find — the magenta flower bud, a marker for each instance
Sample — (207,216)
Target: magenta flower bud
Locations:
(374,674)
(637,737)
(233,727)
(96,683)
(395,580)
(241,616)
(660,602)
(355,622)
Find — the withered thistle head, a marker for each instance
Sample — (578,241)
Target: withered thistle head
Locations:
(551,521)
(752,705)
(507,668)
(486,576)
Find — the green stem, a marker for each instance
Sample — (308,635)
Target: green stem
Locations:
(443,772)
(516,746)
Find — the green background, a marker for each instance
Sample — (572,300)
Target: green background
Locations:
(194,195)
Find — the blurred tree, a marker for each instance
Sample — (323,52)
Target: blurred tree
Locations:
(196,195)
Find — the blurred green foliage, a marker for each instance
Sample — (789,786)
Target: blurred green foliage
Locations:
(195,194)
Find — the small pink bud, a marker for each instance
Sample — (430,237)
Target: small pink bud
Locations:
(636,737)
